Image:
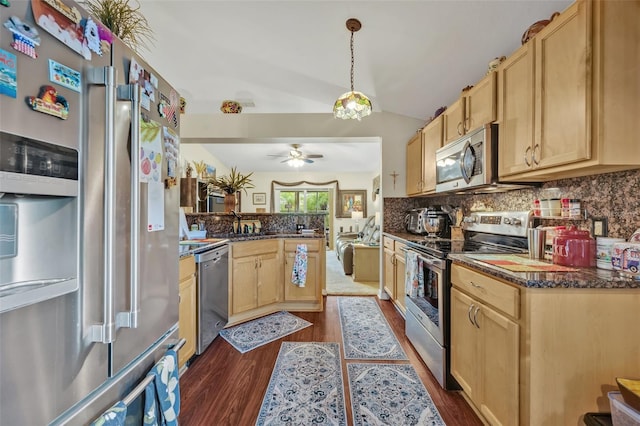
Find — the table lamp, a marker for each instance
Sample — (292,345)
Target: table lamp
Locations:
(357,215)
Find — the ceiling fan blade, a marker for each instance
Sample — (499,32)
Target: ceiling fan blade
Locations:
(284,161)
(306,160)
(277,155)
(314,155)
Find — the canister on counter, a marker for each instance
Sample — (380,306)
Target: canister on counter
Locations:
(575,209)
(604,245)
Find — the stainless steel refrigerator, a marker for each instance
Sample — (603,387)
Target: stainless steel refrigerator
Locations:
(88,215)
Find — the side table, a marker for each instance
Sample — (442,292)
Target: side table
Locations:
(366,262)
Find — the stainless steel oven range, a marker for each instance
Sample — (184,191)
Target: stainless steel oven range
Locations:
(427,323)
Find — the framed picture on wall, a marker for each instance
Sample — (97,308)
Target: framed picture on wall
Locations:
(350,200)
(259,198)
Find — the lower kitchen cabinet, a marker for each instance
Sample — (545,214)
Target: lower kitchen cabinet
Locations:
(393,270)
(312,289)
(187,308)
(260,278)
(255,275)
(540,356)
(485,361)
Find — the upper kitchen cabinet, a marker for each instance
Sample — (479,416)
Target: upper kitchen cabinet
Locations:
(414,165)
(476,107)
(421,158)
(569,93)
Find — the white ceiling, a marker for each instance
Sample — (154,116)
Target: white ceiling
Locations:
(411,57)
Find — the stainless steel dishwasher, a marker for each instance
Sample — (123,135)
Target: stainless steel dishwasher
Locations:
(212,294)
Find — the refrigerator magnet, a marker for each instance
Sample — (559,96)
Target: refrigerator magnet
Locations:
(25,36)
(62,22)
(8,74)
(5,3)
(65,76)
(49,102)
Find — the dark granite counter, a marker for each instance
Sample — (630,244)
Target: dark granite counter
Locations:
(581,279)
(189,249)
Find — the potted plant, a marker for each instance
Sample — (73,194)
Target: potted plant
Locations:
(124,20)
(230,184)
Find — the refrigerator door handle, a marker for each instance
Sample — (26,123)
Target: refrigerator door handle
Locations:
(129,319)
(107,76)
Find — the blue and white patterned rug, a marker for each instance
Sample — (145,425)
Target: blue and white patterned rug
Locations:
(249,335)
(366,334)
(306,387)
(390,394)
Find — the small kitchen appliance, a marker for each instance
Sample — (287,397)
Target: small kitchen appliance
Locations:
(431,221)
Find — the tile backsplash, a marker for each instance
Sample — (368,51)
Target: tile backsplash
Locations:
(614,196)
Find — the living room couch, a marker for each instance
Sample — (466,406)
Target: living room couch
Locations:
(344,243)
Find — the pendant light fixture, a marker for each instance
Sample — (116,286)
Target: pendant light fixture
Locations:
(352,104)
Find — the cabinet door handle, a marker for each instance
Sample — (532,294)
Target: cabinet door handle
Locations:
(526,156)
(467,124)
(475,285)
(475,316)
(260,262)
(460,128)
(255,263)
(536,148)
(469,313)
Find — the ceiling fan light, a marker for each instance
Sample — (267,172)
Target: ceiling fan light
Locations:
(352,105)
(296,162)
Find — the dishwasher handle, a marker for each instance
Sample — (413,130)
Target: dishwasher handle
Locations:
(213,254)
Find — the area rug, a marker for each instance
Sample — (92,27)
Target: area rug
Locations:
(365,332)
(306,387)
(390,394)
(339,284)
(252,334)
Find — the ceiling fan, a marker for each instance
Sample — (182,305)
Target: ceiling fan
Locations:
(295,157)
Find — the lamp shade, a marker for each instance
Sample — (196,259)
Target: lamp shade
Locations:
(356,215)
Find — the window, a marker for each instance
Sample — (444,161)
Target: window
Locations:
(304,201)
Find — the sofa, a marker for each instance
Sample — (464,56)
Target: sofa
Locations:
(370,234)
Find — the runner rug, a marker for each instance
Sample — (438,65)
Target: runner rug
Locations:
(365,332)
(306,387)
(390,394)
(249,335)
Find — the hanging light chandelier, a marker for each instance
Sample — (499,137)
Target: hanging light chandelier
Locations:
(352,104)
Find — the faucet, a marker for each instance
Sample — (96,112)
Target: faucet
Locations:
(238,229)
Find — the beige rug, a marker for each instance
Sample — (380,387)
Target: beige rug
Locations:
(340,284)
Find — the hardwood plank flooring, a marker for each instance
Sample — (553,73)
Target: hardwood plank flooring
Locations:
(224,387)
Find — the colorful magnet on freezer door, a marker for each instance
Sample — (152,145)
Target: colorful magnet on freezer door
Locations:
(49,102)
(8,74)
(92,36)
(25,36)
(5,3)
(62,22)
(65,76)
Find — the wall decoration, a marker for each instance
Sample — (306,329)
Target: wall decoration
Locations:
(65,76)
(8,73)
(259,198)
(350,200)
(376,188)
(49,102)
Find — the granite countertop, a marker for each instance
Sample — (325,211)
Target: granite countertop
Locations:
(580,279)
(190,249)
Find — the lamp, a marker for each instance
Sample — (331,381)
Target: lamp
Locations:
(356,215)
(296,162)
(352,104)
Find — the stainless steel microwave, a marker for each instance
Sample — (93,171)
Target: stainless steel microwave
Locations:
(470,163)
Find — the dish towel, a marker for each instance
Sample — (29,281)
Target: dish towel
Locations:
(420,276)
(114,416)
(299,273)
(151,416)
(167,388)
(411,273)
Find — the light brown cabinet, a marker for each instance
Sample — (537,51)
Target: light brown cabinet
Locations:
(256,275)
(366,263)
(539,356)
(187,308)
(312,290)
(421,159)
(474,108)
(394,271)
(414,165)
(562,107)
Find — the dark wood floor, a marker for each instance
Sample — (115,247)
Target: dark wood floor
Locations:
(224,387)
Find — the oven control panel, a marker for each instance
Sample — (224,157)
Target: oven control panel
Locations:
(502,223)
